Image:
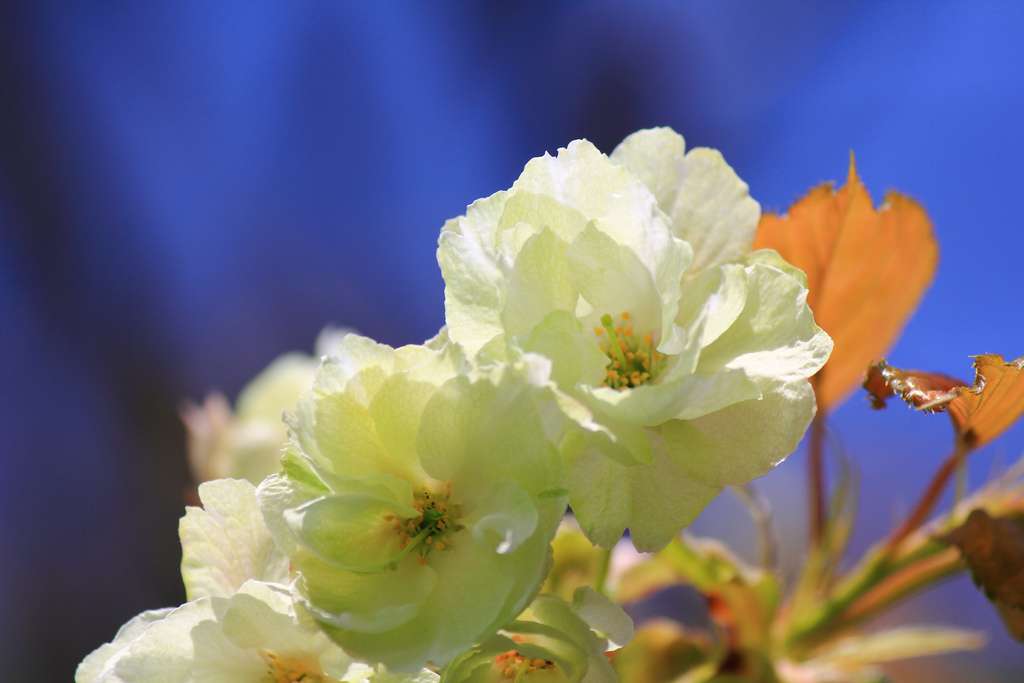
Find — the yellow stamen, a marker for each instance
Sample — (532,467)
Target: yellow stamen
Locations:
(290,670)
(632,361)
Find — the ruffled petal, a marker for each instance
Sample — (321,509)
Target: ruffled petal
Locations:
(775,338)
(467,255)
(226,543)
(654,500)
(743,441)
(708,204)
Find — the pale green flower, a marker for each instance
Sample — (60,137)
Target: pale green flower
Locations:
(417,504)
(154,646)
(226,543)
(254,636)
(240,623)
(682,355)
(551,642)
(246,443)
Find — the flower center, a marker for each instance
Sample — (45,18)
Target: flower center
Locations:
(433,527)
(291,670)
(632,360)
(512,665)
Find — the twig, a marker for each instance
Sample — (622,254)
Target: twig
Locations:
(919,576)
(930,497)
(960,486)
(816,478)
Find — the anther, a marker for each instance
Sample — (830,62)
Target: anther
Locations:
(632,361)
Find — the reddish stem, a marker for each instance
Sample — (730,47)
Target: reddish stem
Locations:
(816,478)
(930,497)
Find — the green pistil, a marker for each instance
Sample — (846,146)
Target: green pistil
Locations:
(437,521)
(614,345)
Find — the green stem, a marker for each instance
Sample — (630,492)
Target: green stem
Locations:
(877,568)
(872,570)
(911,560)
(899,585)
(886,593)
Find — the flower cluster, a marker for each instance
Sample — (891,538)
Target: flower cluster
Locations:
(681,355)
(612,343)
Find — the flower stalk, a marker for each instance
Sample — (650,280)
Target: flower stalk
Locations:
(931,495)
(816,477)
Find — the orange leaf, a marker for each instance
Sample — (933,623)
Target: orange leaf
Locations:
(995,401)
(866,271)
(980,412)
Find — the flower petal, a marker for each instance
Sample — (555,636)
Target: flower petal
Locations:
(775,338)
(650,405)
(345,436)
(603,615)
(743,441)
(491,428)
(365,603)
(94,669)
(225,543)
(540,282)
(353,531)
(714,299)
(574,354)
(708,204)
(467,255)
(152,647)
(657,157)
(505,520)
(654,500)
(612,278)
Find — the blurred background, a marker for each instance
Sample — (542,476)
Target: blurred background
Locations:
(189,189)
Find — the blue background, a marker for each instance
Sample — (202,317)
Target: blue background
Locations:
(189,189)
